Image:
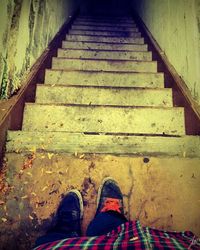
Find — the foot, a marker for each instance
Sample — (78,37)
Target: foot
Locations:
(69,214)
(110,197)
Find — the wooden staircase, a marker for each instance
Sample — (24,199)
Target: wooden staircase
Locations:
(104,94)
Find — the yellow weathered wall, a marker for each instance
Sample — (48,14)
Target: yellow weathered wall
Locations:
(175,24)
(26,28)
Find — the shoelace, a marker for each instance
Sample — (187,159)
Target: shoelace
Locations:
(111,204)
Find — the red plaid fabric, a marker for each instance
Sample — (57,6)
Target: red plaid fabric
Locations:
(130,235)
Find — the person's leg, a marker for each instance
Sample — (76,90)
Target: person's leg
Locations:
(67,222)
(110,212)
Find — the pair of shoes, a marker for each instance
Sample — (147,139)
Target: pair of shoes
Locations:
(70,211)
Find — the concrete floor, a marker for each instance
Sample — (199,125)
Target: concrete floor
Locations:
(161,192)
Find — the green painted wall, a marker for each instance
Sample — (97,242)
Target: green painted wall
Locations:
(175,24)
(26,28)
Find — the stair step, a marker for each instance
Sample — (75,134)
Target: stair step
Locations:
(106,24)
(103,46)
(92,78)
(96,54)
(107,18)
(103,39)
(157,121)
(103,28)
(104,65)
(60,142)
(105,33)
(86,95)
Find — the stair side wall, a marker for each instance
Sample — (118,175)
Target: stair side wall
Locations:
(26,29)
(176,27)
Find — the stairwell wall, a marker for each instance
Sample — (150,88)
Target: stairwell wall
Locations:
(175,26)
(26,29)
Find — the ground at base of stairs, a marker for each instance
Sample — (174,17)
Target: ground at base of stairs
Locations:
(33,185)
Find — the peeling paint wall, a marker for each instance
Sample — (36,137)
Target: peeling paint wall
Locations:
(175,24)
(26,28)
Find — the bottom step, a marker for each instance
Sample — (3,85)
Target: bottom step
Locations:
(20,141)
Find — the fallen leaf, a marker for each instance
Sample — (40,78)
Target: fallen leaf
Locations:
(34,194)
(24,197)
(33,149)
(48,172)
(44,188)
(81,156)
(29,173)
(50,155)
(30,217)
(4,219)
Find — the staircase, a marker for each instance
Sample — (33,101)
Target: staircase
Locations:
(104,95)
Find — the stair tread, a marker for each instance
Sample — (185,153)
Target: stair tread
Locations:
(105,20)
(95,28)
(105,24)
(105,33)
(103,39)
(103,46)
(99,96)
(185,146)
(97,54)
(104,65)
(116,79)
(169,121)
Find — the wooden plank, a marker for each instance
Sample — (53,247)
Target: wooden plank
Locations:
(99,96)
(105,33)
(112,79)
(105,24)
(186,146)
(105,18)
(113,55)
(90,27)
(158,121)
(111,21)
(103,46)
(103,39)
(104,65)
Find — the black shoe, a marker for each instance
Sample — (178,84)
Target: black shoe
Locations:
(69,215)
(110,197)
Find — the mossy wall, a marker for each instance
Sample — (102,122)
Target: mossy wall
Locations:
(175,24)
(26,28)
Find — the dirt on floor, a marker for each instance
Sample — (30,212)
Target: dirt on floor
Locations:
(160,192)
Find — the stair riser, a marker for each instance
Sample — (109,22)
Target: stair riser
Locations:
(124,25)
(100,65)
(115,55)
(104,144)
(101,119)
(103,46)
(105,33)
(98,39)
(99,96)
(95,28)
(89,78)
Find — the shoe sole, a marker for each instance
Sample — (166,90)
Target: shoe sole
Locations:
(80,200)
